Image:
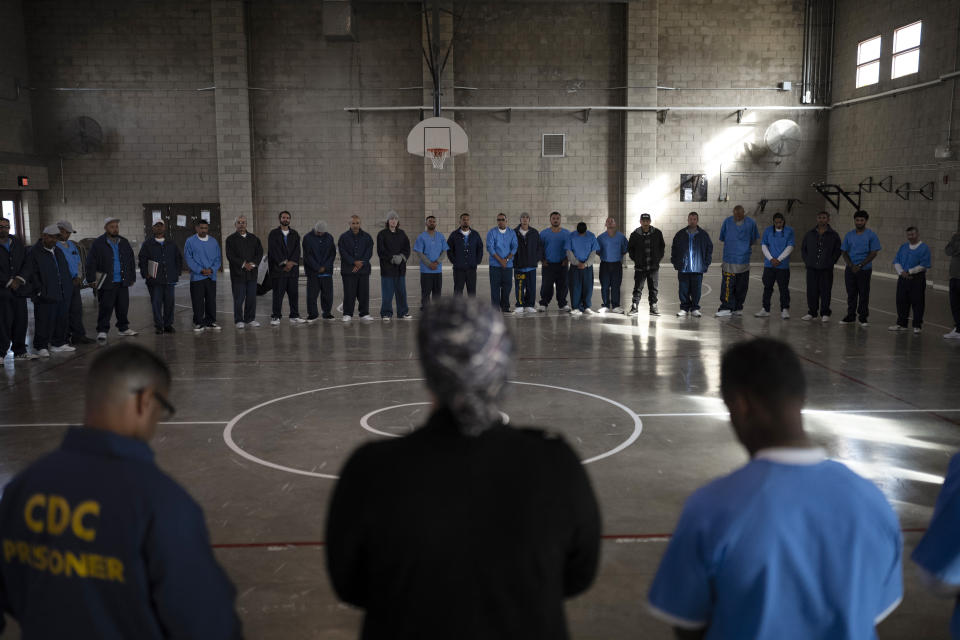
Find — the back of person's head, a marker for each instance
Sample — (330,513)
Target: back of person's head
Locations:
(467,356)
(116,374)
(765,369)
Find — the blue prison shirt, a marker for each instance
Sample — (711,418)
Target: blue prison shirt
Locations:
(859,245)
(791,545)
(909,258)
(201,254)
(502,244)
(582,245)
(613,248)
(554,244)
(433,248)
(776,242)
(117,268)
(72,254)
(737,239)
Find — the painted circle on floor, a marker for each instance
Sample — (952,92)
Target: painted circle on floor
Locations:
(228,430)
(365,420)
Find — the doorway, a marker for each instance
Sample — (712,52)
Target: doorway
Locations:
(11,209)
(180,219)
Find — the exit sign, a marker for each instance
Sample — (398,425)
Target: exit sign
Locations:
(23,181)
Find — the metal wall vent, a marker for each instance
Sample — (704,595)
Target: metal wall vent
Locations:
(554,145)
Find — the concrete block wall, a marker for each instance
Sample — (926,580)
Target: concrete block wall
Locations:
(896,136)
(138,68)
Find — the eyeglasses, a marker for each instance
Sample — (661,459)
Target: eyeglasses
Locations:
(168,408)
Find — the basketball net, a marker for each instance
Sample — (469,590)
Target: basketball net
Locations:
(438,156)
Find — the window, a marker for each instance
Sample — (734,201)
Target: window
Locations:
(906,50)
(9,212)
(868,62)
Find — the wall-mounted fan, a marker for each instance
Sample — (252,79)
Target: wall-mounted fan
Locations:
(82,135)
(782,138)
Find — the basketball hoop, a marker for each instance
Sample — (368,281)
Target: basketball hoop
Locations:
(438,156)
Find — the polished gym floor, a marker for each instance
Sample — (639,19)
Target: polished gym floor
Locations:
(266,417)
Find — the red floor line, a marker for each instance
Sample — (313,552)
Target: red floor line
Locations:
(613,536)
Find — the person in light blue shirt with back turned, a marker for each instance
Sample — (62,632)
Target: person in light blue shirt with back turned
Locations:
(502,246)
(613,246)
(859,247)
(911,264)
(777,245)
(582,251)
(791,545)
(737,233)
(202,255)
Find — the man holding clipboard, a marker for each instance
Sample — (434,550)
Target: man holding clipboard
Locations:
(111,267)
(160,265)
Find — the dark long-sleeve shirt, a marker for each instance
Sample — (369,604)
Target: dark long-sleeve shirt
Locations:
(646,249)
(441,535)
(389,244)
(355,247)
(168,257)
(280,250)
(318,254)
(242,249)
(820,251)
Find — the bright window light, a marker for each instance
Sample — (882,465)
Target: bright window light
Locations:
(868,62)
(906,50)
(8,212)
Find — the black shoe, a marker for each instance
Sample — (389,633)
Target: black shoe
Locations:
(169,330)
(848,320)
(83,340)
(328,316)
(158,331)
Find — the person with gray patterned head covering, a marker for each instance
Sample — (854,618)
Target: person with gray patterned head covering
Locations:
(467,528)
(393,248)
(319,251)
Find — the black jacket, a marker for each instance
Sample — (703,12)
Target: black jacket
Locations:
(528,249)
(167,254)
(820,252)
(48,274)
(318,252)
(701,243)
(278,251)
(438,535)
(100,259)
(352,248)
(11,265)
(389,244)
(636,248)
(240,250)
(465,253)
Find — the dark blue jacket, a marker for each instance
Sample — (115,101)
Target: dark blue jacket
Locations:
(278,251)
(100,259)
(318,252)
(11,265)
(465,253)
(167,254)
(352,248)
(529,251)
(108,546)
(681,245)
(48,274)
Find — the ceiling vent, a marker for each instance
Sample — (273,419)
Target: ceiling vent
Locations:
(554,145)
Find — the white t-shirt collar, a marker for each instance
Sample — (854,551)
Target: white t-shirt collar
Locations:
(800,456)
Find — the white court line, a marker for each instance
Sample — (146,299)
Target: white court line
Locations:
(810,411)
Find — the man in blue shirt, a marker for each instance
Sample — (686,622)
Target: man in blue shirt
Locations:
(525,264)
(553,239)
(613,246)
(757,554)
(582,251)
(859,247)
(429,249)
(202,255)
(777,245)
(98,542)
(911,264)
(502,246)
(356,249)
(76,334)
(465,254)
(938,552)
(162,284)
(737,233)
(111,268)
(691,253)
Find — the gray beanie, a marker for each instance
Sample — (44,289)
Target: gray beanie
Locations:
(320,227)
(467,355)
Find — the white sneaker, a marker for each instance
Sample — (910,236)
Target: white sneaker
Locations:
(214,327)
(738,312)
(576,312)
(681,314)
(406,317)
(275,322)
(198,328)
(128,332)
(763,313)
(723,313)
(340,308)
(101,336)
(62,348)
(565,307)
(297,321)
(824,318)
(347,318)
(311,320)
(540,307)
(240,325)
(602,311)
(618,310)
(43,353)
(529,309)
(366,317)
(953,335)
(696,313)
(916,331)
(253,323)
(864,324)
(592,312)
(518,310)
(785,314)
(896,327)
(807,317)
(385,318)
